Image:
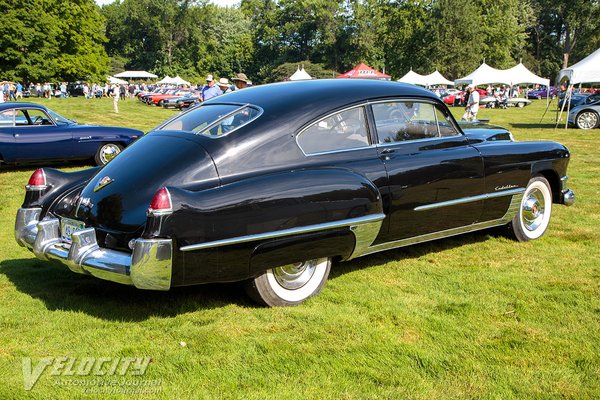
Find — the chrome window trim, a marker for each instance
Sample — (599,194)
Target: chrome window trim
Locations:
(160,127)
(34,126)
(470,199)
(452,122)
(286,232)
(302,130)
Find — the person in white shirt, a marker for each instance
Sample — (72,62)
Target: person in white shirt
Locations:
(472,104)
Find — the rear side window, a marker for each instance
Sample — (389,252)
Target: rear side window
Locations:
(213,120)
(341,131)
(399,121)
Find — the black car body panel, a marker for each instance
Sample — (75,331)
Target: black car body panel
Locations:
(252,198)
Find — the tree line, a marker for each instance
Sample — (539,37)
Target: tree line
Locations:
(266,39)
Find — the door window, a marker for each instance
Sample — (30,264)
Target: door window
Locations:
(400,121)
(341,131)
(7,118)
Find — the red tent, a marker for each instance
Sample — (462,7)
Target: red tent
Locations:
(363,71)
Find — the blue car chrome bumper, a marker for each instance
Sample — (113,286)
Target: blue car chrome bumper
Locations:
(148,267)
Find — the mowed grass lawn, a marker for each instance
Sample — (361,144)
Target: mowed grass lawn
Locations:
(476,316)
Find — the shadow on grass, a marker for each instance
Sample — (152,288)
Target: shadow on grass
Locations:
(534,125)
(61,289)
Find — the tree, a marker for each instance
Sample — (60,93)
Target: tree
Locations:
(58,39)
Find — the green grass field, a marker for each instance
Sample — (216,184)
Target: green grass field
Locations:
(472,317)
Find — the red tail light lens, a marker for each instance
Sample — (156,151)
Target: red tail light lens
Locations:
(161,203)
(37,180)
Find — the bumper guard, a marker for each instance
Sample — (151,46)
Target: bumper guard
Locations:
(148,267)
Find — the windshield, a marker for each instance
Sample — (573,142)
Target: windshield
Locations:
(60,120)
(213,120)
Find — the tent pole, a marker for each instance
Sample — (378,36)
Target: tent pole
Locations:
(567,95)
(567,119)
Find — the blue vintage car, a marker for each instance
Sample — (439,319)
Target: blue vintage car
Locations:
(31,133)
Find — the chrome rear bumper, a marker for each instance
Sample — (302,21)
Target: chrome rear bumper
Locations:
(148,267)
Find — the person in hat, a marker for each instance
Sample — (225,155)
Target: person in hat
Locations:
(472,104)
(224,85)
(241,81)
(210,90)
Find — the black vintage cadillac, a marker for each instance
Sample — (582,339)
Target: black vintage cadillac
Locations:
(269,184)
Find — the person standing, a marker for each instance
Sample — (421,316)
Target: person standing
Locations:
(12,90)
(472,107)
(19,91)
(210,90)
(115,94)
(241,81)
(224,85)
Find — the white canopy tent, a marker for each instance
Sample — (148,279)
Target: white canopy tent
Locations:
(300,75)
(136,75)
(413,78)
(520,74)
(483,75)
(585,71)
(179,81)
(167,80)
(116,81)
(435,78)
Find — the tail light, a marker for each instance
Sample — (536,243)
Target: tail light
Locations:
(161,203)
(37,181)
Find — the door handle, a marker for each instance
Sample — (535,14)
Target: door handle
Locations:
(385,154)
(388,151)
(16,135)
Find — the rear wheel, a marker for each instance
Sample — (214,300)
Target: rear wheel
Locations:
(291,284)
(533,217)
(587,120)
(107,152)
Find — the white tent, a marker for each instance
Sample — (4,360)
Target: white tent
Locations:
(116,81)
(135,74)
(435,78)
(413,78)
(520,74)
(485,74)
(167,80)
(300,75)
(585,71)
(179,81)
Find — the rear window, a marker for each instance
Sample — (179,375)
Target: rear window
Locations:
(213,120)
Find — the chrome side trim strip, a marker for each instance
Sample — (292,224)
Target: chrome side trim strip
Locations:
(287,232)
(512,210)
(464,200)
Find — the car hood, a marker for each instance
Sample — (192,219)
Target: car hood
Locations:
(480,132)
(156,160)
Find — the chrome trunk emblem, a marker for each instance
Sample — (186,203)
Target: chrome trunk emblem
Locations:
(103,182)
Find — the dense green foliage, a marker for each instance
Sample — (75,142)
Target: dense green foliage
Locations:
(57,39)
(67,39)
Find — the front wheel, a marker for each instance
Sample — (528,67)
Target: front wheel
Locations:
(291,284)
(520,105)
(587,120)
(107,152)
(534,213)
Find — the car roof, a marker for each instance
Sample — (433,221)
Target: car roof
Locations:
(8,105)
(320,94)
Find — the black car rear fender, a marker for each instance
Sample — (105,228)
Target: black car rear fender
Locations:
(266,221)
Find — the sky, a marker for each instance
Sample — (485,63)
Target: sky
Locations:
(217,2)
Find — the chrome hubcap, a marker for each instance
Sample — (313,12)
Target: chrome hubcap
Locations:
(294,276)
(533,210)
(587,120)
(108,152)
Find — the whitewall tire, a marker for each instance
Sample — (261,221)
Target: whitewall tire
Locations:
(291,284)
(533,218)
